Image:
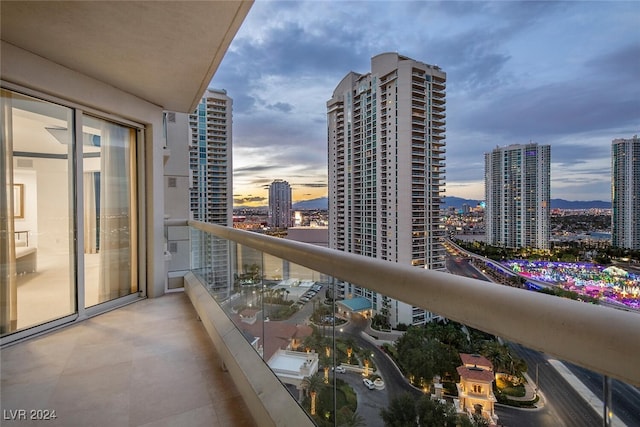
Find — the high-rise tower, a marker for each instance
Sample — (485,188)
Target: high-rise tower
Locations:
(386,136)
(625,193)
(199,183)
(210,159)
(280,204)
(517,193)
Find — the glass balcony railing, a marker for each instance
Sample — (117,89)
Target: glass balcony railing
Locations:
(298,328)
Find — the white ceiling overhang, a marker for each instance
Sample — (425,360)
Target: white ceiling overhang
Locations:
(165,52)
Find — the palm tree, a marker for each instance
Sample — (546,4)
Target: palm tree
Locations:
(325,361)
(312,384)
(346,418)
(498,355)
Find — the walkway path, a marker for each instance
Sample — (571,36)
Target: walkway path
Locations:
(529,392)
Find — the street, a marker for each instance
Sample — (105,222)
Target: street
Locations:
(561,399)
(626,398)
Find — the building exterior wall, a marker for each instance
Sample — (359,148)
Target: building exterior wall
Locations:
(625,193)
(386,169)
(280,204)
(315,235)
(517,193)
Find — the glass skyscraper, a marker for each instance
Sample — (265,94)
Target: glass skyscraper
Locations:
(280,204)
(517,193)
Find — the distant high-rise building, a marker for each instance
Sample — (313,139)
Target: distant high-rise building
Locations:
(386,170)
(517,191)
(280,204)
(625,193)
(201,169)
(210,159)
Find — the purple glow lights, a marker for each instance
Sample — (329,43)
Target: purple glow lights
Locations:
(610,284)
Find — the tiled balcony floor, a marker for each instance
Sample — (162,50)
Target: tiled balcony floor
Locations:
(147,364)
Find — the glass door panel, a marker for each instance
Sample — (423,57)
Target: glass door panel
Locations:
(110,201)
(36,217)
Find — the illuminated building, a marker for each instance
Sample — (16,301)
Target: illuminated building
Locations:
(517,193)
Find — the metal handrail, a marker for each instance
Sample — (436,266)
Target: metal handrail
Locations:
(602,339)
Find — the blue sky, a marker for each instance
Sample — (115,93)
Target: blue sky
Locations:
(565,74)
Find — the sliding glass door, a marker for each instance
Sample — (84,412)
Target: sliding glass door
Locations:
(37,245)
(68,212)
(109,157)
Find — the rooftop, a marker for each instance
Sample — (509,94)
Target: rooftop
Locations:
(475,374)
(356,304)
(475,360)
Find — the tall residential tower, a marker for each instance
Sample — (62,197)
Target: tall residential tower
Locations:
(625,193)
(517,192)
(280,204)
(210,159)
(199,181)
(386,170)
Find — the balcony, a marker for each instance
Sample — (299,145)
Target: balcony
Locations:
(108,367)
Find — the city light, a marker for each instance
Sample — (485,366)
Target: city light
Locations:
(610,284)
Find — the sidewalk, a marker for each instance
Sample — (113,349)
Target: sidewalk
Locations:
(381,337)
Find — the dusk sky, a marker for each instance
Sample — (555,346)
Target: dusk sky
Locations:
(565,74)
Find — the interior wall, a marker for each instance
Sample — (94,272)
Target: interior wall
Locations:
(53,204)
(29,223)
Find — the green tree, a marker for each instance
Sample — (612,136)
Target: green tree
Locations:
(312,386)
(433,413)
(347,418)
(479,421)
(400,413)
(498,355)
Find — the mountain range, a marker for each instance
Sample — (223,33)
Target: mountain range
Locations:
(457,202)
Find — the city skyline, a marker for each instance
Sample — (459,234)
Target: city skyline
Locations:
(560,74)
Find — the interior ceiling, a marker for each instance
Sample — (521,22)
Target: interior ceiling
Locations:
(165,52)
(30,133)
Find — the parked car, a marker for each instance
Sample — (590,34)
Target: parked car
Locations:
(368,384)
(340,369)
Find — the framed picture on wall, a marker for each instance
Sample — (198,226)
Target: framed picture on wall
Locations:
(18,200)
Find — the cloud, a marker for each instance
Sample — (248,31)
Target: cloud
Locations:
(281,106)
(248,200)
(312,185)
(558,73)
(254,169)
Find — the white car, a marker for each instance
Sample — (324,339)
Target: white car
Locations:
(368,384)
(340,369)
